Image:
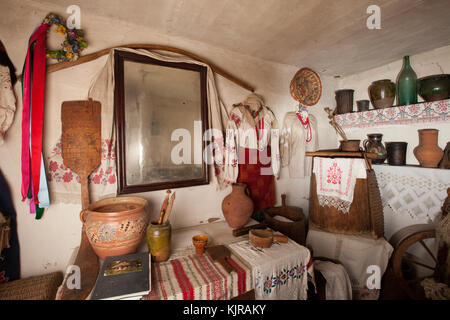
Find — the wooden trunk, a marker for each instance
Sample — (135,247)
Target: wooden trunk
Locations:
(356,221)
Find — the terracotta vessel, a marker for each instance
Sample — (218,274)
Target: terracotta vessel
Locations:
(428,152)
(200,241)
(237,207)
(382,93)
(159,240)
(116,226)
(396,153)
(374,145)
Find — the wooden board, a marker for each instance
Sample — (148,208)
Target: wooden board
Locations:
(81,140)
(81,152)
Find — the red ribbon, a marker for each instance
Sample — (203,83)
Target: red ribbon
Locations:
(35,93)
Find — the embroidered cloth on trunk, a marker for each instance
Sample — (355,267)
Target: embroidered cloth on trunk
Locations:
(198,277)
(336,179)
(279,272)
(414,191)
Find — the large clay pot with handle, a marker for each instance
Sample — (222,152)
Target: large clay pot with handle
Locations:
(237,207)
(116,226)
(428,152)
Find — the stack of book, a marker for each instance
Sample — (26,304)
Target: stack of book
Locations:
(125,277)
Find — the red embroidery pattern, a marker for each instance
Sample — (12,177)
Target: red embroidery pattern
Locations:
(334,174)
(58,172)
(337,190)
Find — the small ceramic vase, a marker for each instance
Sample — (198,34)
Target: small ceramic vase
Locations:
(363,105)
(428,152)
(374,145)
(200,241)
(158,241)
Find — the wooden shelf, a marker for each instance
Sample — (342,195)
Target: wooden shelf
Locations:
(423,112)
(337,153)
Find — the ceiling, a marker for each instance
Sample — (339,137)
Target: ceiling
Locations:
(330,36)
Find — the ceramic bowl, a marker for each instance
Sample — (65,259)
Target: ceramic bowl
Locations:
(435,87)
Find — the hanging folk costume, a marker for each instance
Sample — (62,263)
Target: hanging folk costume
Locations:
(252,150)
(7,97)
(34,181)
(299,135)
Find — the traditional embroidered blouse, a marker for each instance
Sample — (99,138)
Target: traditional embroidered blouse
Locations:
(293,145)
(252,131)
(7,102)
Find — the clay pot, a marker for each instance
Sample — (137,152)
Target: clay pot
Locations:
(374,145)
(382,93)
(396,153)
(237,207)
(363,105)
(428,152)
(344,101)
(158,241)
(116,226)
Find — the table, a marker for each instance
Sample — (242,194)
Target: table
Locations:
(279,272)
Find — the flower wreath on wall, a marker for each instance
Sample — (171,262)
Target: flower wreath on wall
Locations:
(72,45)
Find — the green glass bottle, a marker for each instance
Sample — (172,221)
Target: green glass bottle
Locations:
(406,84)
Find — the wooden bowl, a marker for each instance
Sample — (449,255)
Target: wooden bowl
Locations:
(261,237)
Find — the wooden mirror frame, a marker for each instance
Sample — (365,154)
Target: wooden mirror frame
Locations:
(119,117)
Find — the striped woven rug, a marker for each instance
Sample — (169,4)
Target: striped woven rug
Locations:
(198,277)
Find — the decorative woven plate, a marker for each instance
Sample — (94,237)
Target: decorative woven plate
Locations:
(306,87)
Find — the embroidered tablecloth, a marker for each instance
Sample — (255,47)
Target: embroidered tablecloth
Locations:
(198,277)
(279,272)
(415,191)
(336,179)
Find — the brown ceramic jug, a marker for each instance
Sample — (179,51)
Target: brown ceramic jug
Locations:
(237,207)
(428,152)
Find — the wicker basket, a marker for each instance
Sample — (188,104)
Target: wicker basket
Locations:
(32,288)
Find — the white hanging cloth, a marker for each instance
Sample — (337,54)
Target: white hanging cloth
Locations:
(293,145)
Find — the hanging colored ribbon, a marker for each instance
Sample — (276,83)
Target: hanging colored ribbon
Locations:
(34,184)
(303,116)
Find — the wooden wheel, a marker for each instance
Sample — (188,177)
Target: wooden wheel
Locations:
(407,238)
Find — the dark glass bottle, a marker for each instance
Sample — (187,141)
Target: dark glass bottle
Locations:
(406,84)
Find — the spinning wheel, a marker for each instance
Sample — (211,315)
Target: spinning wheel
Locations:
(408,238)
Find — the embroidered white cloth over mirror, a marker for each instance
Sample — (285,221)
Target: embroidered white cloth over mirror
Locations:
(414,191)
(336,179)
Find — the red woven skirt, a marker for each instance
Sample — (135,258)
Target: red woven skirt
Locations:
(255,171)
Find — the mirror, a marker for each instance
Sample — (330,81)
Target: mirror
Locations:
(161,115)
